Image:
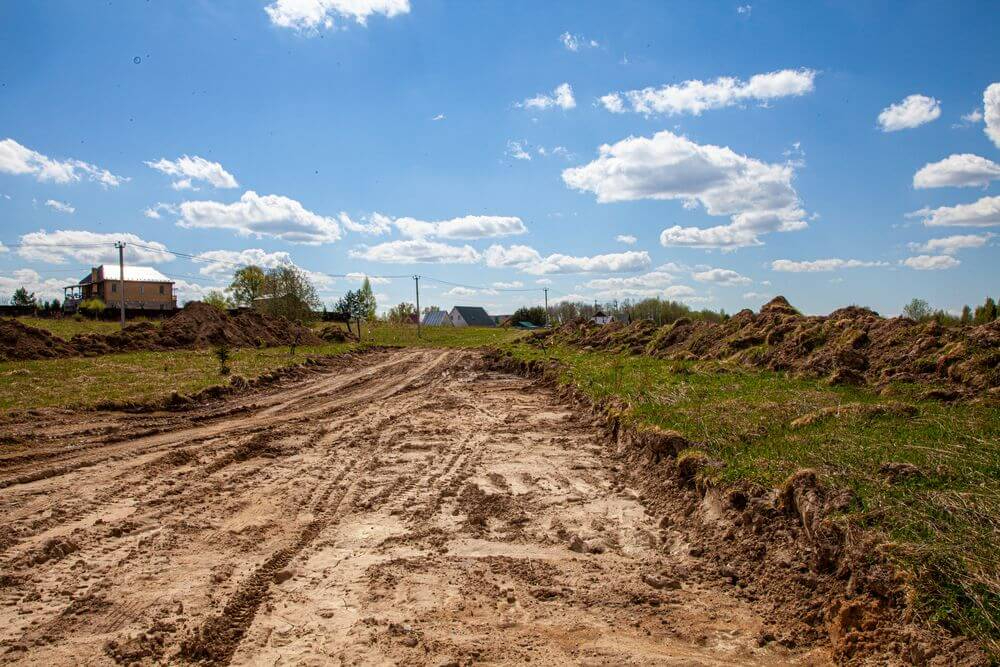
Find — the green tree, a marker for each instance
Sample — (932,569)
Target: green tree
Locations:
(966,317)
(289,293)
(918,310)
(534,315)
(22,297)
(248,285)
(987,312)
(367,297)
(402,314)
(350,306)
(218,299)
(93,307)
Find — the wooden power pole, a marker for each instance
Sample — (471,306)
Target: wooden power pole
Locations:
(121,278)
(416,285)
(546,290)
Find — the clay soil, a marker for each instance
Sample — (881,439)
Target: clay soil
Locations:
(408,507)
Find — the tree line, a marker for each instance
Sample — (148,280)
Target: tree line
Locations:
(921,311)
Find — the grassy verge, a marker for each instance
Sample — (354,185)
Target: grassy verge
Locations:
(133,376)
(67,327)
(456,337)
(942,523)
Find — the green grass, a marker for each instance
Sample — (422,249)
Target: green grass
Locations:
(67,327)
(942,527)
(134,376)
(456,337)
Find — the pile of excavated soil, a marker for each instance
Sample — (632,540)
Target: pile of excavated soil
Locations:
(335,334)
(197,325)
(849,346)
(19,341)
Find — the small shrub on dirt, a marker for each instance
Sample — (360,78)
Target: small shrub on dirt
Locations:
(224,355)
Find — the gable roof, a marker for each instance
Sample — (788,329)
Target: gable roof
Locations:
(435,318)
(136,274)
(475,316)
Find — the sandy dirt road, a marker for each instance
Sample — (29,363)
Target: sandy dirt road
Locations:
(407,507)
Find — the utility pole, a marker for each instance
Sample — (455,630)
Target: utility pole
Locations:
(416,284)
(546,290)
(121,278)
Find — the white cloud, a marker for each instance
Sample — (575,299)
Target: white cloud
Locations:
(931,262)
(60,206)
(259,216)
(543,281)
(576,42)
(18,159)
(461,291)
(416,251)
(756,295)
(973,117)
(309,15)
(44,289)
(991,112)
(227,261)
(440,116)
(186,291)
(959,170)
(724,277)
(555,150)
(375,225)
(516,284)
(464,228)
(695,96)
(949,245)
(529,260)
(832,264)
(562,97)
(374,280)
(758,196)
(982,213)
(744,9)
(913,111)
(187,169)
(89,248)
(627,239)
(515,149)
(157,210)
(658,282)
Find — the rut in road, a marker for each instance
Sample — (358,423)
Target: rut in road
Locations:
(405,507)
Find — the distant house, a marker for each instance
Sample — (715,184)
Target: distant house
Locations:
(145,289)
(470,316)
(500,320)
(436,318)
(524,325)
(600,317)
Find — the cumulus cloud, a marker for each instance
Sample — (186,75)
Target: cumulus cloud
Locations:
(416,251)
(758,197)
(44,289)
(225,262)
(931,262)
(440,116)
(562,97)
(465,228)
(982,213)
(744,9)
(574,43)
(914,111)
(695,97)
(529,260)
(186,169)
(991,112)
(18,159)
(959,171)
(627,239)
(949,245)
(308,16)
(84,247)
(157,210)
(374,225)
(259,216)
(724,277)
(60,206)
(515,284)
(657,283)
(832,264)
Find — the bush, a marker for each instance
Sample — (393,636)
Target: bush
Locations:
(92,307)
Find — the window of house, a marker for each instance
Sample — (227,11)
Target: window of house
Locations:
(114,287)
(141,287)
(161,289)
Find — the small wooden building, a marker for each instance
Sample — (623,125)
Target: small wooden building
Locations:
(145,289)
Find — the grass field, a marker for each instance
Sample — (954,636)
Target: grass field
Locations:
(67,327)
(133,376)
(942,524)
(459,337)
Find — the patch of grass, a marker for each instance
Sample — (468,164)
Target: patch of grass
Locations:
(134,376)
(67,327)
(458,337)
(943,522)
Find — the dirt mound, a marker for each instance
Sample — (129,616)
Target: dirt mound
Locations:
(19,341)
(197,325)
(851,345)
(335,334)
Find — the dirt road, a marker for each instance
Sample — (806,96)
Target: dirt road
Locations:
(407,507)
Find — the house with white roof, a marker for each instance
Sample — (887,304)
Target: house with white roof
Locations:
(145,288)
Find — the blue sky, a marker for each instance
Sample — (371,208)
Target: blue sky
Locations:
(834,153)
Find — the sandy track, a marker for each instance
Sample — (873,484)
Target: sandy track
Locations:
(407,508)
